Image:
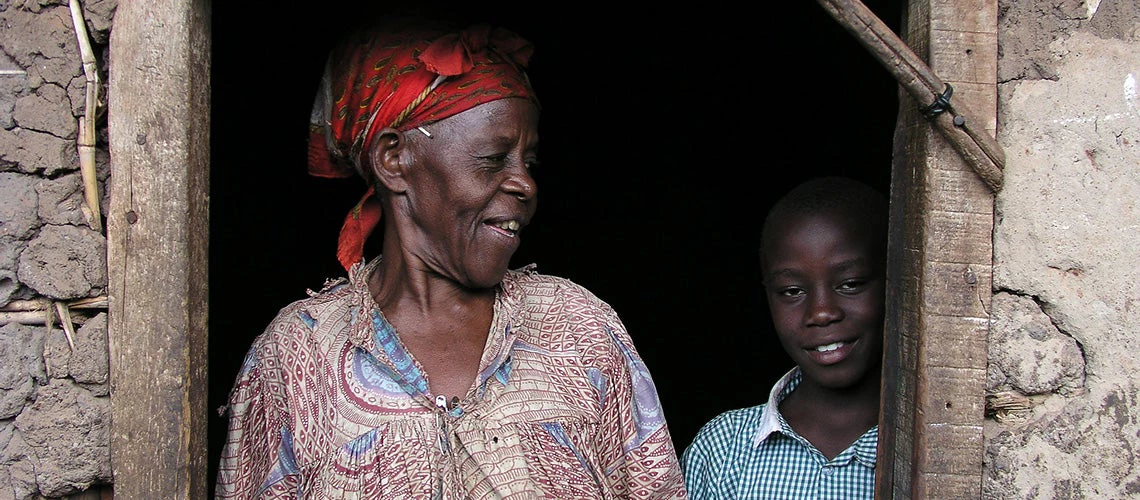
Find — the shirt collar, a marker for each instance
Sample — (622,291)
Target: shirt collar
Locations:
(360,323)
(510,300)
(865,448)
(770,417)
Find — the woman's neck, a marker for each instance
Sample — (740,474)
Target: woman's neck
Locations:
(395,284)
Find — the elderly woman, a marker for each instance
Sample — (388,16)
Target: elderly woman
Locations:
(434,370)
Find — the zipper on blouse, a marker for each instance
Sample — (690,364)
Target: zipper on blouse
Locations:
(443,442)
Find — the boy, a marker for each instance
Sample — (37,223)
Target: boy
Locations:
(823,258)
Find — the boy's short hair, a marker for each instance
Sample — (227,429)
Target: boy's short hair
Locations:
(860,202)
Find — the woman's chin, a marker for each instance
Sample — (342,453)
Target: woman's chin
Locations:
(486,278)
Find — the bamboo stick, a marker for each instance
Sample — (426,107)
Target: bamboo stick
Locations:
(967,136)
(66,322)
(37,317)
(40,317)
(45,304)
(44,311)
(86,141)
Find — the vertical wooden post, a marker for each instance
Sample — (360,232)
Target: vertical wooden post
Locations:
(940,268)
(158,120)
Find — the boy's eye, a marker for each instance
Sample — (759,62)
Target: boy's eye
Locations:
(790,292)
(851,285)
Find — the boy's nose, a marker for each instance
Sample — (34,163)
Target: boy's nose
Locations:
(823,311)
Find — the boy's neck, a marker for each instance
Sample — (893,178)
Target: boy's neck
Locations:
(818,397)
(832,419)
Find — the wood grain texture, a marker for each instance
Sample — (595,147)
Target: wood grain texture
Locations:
(963,16)
(949,486)
(963,240)
(961,441)
(965,337)
(950,397)
(966,57)
(940,265)
(955,189)
(158,226)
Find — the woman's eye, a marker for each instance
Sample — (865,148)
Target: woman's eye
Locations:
(493,163)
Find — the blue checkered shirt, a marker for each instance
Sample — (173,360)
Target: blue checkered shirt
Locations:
(752,453)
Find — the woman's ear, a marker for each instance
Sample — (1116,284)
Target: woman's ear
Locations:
(384,159)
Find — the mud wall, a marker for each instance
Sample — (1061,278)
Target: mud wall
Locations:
(1062,391)
(54,404)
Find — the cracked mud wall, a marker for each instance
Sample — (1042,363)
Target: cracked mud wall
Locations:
(54,404)
(1064,368)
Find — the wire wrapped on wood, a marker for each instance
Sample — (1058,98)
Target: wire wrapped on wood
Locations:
(966,135)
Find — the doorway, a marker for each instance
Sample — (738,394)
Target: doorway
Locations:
(665,137)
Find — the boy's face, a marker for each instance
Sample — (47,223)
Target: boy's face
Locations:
(824,280)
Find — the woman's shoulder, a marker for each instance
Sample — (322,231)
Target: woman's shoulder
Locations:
(534,283)
(334,295)
(570,314)
(299,318)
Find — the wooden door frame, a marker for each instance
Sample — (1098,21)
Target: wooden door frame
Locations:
(157,243)
(939,268)
(158,235)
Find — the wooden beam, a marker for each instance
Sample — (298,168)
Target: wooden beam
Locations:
(940,268)
(158,221)
(965,132)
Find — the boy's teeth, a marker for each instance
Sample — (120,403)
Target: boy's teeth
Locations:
(829,347)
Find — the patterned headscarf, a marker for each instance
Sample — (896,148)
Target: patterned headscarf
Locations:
(403,76)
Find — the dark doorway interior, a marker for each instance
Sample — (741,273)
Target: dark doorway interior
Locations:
(666,133)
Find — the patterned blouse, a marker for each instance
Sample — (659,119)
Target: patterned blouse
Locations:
(329,404)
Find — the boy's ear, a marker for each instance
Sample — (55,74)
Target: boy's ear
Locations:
(389,146)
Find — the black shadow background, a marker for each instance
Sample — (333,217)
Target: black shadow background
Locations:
(666,134)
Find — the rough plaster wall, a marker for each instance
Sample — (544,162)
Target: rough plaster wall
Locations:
(1064,360)
(54,404)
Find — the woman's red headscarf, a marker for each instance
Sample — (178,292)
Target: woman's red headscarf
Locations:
(403,76)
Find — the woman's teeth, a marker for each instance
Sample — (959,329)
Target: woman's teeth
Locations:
(829,347)
(509,225)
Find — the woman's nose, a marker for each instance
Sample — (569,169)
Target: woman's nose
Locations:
(521,184)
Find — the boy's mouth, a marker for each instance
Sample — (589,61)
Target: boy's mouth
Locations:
(829,347)
(829,354)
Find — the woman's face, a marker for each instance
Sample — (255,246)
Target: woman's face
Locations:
(470,190)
